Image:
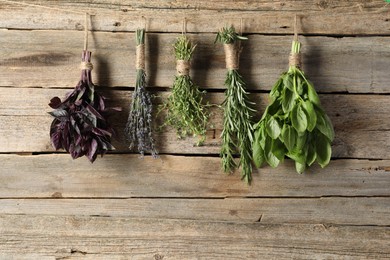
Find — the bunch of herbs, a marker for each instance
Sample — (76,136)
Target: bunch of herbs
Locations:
(185,110)
(294,124)
(138,129)
(237,133)
(80,125)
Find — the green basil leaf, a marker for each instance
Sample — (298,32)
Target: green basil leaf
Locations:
(300,168)
(271,159)
(273,128)
(278,149)
(299,119)
(313,97)
(288,100)
(297,156)
(311,115)
(258,154)
(288,81)
(311,154)
(323,150)
(275,91)
(289,136)
(324,125)
(300,85)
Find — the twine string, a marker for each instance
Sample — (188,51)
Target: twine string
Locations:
(231,56)
(295,28)
(87,19)
(85,65)
(294,60)
(140,57)
(183,67)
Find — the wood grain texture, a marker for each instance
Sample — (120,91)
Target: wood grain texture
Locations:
(59,236)
(270,17)
(361,123)
(126,176)
(27,58)
(328,210)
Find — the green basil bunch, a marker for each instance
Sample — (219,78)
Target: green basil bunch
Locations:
(294,124)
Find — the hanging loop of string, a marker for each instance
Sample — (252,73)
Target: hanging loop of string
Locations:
(184,26)
(86,65)
(295,57)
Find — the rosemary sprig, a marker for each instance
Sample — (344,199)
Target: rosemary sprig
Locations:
(237,126)
(185,111)
(138,129)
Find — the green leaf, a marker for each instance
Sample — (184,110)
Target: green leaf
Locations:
(311,115)
(288,81)
(313,97)
(289,136)
(278,149)
(299,119)
(323,150)
(275,91)
(324,125)
(271,159)
(300,168)
(288,100)
(258,154)
(273,128)
(311,154)
(297,157)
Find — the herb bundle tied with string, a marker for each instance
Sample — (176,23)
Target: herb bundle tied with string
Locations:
(80,125)
(237,130)
(294,124)
(138,129)
(185,110)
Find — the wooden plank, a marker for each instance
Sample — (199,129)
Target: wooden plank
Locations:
(172,239)
(361,126)
(333,64)
(126,176)
(356,17)
(334,210)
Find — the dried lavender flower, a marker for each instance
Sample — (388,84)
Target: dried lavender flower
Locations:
(138,129)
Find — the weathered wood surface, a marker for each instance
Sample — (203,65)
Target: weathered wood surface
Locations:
(361,123)
(181,206)
(94,237)
(272,17)
(27,58)
(126,176)
(328,210)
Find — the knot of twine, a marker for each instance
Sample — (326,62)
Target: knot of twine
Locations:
(183,67)
(86,65)
(294,59)
(231,56)
(140,57)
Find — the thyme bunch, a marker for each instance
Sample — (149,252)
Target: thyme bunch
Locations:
(185,111)
(138,128)
(237,126)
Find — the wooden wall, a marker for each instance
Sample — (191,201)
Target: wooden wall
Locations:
(181,206)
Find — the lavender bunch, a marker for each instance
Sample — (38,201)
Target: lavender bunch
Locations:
(79,124)
(138,129)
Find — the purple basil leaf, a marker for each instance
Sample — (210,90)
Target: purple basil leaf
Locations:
(55,102)
(59,113)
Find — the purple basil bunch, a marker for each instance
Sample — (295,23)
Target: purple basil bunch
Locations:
(80,126)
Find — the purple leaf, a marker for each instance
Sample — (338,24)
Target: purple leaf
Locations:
(55,102)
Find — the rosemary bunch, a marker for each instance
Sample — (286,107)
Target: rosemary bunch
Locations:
(138,129)
(185,111)
(294,124)
(237,126)
(80,125)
